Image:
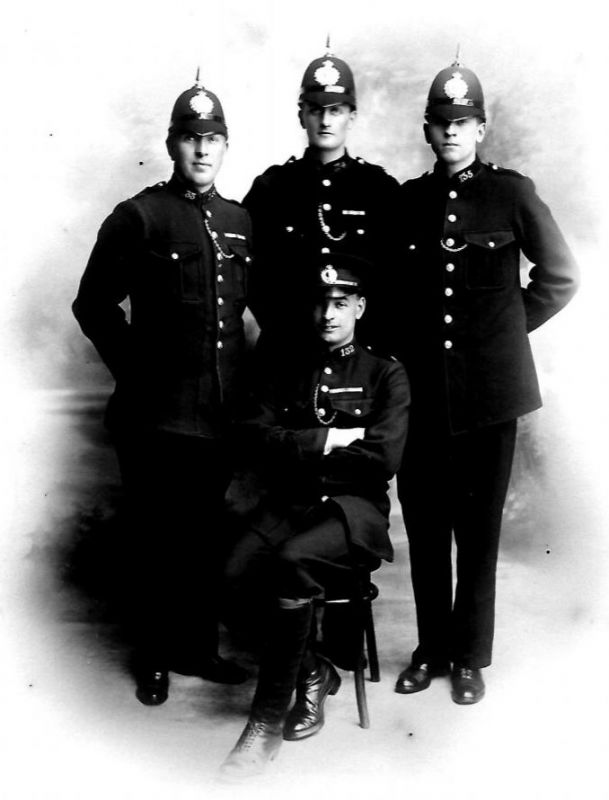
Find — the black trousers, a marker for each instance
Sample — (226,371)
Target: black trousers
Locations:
(455,485)
(300,553)
(175,487)
(291,555)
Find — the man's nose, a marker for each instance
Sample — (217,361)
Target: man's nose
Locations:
(325,117)
(201,145)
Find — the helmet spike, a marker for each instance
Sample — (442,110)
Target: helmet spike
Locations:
(198,78)
(457,61)
(328,48)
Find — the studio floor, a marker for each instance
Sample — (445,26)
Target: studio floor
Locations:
(71,727)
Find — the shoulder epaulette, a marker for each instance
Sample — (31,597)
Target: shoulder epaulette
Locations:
(504,170)
(151,189)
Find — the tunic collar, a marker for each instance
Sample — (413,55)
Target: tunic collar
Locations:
(460,177)
(179,186)
(332,166)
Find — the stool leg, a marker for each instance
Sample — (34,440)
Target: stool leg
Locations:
(360,696)
(373,658)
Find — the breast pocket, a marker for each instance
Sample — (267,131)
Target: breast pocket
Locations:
(238,264)
(491,259)
(175,267)
(353,412)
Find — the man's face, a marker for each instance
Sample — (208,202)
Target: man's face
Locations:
(335,315)
(454,142)
(198,158)
(327,126)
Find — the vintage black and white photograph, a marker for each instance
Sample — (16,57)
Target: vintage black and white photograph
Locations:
(304,439)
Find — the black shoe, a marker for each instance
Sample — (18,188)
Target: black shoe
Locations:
(213,668)
(307,715)
(257,745)
(467,685)
(417,677)
(152,686)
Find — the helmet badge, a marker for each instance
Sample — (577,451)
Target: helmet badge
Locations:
(329,274)
(201,103)
(456,88)
(327,74)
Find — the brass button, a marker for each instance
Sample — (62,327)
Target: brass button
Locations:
(325,250)
(327,207)
(220,345)
(324,388)
(221,324)
(360,231)
(448,291)
(322,412)
(448,344)
(220,279)
(326,182)
(448,319)
(450,267)
(452,194)
(175,256)
(328,370)
(220,301)
(450,242)
(289,228)
(491,244)
(357,412)
(452,217)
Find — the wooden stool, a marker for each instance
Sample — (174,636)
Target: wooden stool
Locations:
(366,646)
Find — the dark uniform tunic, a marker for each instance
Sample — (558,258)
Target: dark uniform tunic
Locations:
(181,259)
(464,342)
(303,208)
(320,507)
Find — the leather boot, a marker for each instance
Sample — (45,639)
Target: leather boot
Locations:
(306,717)
(262,736)
(257,745)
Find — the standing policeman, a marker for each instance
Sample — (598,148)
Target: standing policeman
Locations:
(179,252)
(465,346)
(324,202)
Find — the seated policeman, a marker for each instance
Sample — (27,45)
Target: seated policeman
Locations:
(329,432)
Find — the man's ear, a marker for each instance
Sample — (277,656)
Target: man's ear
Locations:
(169,144)
(426,133)
(300,117)
(361,307)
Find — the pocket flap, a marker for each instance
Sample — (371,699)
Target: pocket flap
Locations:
(490,240)
(175,251)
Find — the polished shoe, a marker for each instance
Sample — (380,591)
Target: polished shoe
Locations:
(257,745)
(212,668)
(417,677)
(467,685)
(307,715)
(152,686)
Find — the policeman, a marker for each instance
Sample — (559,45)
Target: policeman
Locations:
(325,201)
(465,346)
(179,252)
(330,430)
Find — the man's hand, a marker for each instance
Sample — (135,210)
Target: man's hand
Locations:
(342,437)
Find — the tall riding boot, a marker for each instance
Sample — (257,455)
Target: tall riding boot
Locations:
(316,680)
(263,734)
